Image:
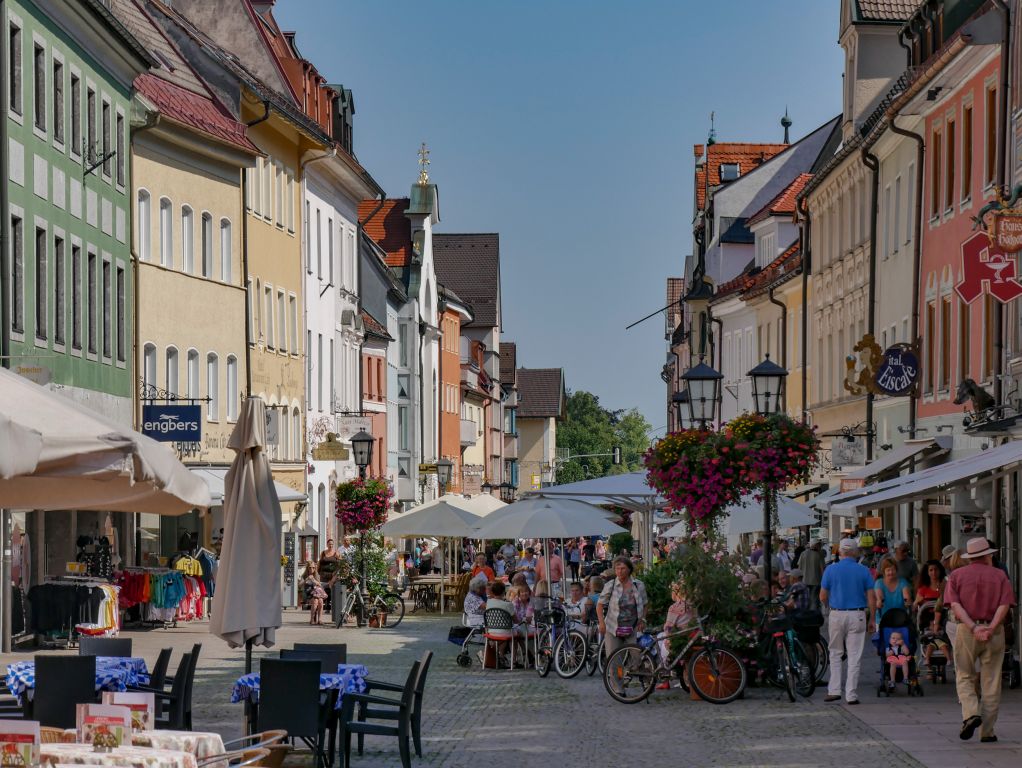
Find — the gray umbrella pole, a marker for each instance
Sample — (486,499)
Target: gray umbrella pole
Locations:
(443,567)
(248,656)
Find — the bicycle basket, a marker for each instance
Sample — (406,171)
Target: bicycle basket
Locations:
(779,624)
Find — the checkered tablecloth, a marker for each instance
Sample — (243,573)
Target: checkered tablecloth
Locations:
(350,678)
(121,757)
(21,678)
(138,672)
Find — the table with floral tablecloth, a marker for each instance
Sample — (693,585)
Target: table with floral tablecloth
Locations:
(121,757)
(200,744)
(349,678)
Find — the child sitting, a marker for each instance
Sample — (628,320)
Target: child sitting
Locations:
(679,615)
(898,657)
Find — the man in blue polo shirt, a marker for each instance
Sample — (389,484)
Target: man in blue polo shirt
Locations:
(847,588)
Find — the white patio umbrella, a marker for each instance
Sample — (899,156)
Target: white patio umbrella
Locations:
(439,518)
(483,504)
(747,517)
(540,517)
(246,602)
(56,454)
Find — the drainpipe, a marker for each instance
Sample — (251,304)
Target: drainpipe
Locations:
(803,209)
(917,254)
(782,343)
(720,357)
(902,33)
(249,299)
(873,163)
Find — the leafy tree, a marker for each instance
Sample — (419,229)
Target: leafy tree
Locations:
(590,428)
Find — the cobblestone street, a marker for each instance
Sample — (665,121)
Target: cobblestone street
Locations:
(476,718)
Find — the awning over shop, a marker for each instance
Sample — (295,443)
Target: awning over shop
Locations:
(214,479)
(820,502)
(984,465)
(894,460)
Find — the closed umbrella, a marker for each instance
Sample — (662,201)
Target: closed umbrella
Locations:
(56,454)
(246,603)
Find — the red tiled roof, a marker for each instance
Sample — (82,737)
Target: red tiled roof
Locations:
(185,106)
(887,10)
(390,228)
(373,326)
(784,203)
(747,156)
(737,285)
(788,263)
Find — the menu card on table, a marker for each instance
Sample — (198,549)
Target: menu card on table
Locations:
(142,706)
(103,725)
(19,743)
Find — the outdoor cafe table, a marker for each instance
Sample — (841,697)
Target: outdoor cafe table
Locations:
(113,673)
(198,743)
(119,757)
(423,591)
(349,678)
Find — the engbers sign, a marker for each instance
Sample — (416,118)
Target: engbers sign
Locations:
(172,423)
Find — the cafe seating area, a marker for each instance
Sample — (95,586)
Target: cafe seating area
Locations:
(106,707)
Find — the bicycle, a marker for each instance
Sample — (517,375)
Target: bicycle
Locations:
(594,650)
(384,611)
(717,675)
(785,660)
(553,626)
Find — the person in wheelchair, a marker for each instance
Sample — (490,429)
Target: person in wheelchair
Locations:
(475,601)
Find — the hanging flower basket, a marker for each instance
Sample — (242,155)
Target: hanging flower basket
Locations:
(702,472)
(362,504)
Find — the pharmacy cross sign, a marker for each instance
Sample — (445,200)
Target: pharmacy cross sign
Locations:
(987,269)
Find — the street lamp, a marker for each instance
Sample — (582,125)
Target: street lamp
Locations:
(507,492)
(683,414)
(703,387)
(768,394)
(768,386)
(487,486)
(362,447)
(443,474)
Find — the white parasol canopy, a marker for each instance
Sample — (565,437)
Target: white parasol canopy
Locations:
(747,517)
(56,454)
(540,517)
(246,602)
(483,504)
(437,518)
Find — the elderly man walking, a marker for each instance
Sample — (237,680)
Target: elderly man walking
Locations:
(980,596)
(811,565)
(847,588)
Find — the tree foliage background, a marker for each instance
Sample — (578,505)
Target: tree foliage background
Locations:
(588,427)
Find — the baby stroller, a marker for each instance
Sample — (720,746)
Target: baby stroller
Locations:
(897,620)
(937,641)
(468,634)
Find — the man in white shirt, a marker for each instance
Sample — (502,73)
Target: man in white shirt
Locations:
(784,556)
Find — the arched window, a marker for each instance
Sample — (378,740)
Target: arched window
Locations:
(321,503)
(144,225)
(225,251)
(207,245)
(166,233)
(172,371)
(187,240)
(193,373)
(296,433)
(213,386)
(149,365)
(232,388)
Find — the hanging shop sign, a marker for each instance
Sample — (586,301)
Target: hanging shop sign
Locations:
(330,450)
(861,366)
(349,426)
(172,423)
(898,372)
(846,452)
(987,269)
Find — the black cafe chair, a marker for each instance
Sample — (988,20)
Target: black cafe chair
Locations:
(393,711)
(402,730)
(341,649)
(61,684)
(104,646)
(289,700)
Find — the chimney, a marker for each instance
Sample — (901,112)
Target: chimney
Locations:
(697,150)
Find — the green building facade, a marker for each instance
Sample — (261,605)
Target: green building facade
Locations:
(68,312)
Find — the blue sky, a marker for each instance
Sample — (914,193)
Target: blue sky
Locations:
(567,127)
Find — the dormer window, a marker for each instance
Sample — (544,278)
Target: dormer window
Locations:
(730,171)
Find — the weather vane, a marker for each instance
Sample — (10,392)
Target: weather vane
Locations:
(423,164)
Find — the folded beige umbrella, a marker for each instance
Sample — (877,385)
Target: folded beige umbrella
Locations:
(57,454)
(246,601)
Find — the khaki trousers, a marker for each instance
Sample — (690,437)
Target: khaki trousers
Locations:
(990,655)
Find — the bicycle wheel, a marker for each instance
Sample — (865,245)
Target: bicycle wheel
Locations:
(359,611)
(594,653)
(630,675)
(544,652)
(717,675)
(782,662)
(569,654)
(392,610)
(802,668)
(819,656)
